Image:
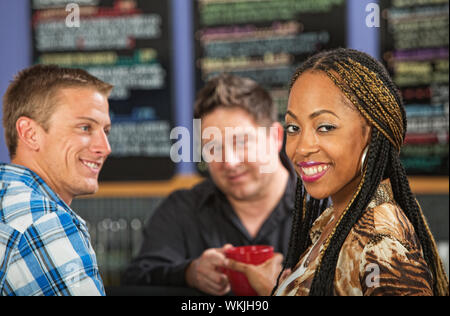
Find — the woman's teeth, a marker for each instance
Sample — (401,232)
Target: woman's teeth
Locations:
(314,170)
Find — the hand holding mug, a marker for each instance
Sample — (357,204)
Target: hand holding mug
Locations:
(253,270)
(206,274)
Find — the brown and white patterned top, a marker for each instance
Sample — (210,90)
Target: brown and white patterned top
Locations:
(380,256)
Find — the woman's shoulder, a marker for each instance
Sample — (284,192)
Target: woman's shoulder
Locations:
(389,220)
(392,261)
(386,218)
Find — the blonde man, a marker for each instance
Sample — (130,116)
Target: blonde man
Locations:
(56,123)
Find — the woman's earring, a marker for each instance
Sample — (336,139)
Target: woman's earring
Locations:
(363,158)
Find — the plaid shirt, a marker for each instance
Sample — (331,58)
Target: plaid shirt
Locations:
(45,247)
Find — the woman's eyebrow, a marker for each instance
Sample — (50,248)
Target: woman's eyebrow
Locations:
(291,114)
(320,112)
(313,115)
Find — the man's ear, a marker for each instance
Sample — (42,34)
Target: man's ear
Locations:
(28,132)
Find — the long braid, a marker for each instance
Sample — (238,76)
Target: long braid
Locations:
(366,83)
(324,277)
(405,198)
(305,213)
(297,218)
(297,221)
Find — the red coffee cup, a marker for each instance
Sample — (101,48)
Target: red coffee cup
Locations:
(247,254)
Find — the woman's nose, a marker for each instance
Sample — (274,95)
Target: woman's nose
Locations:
(307,144)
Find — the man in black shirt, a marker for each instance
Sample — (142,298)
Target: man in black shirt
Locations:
(247,200)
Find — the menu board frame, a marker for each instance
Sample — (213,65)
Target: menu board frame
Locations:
(142,115)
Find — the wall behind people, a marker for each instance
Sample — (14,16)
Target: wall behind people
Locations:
(15,52)
(15,48)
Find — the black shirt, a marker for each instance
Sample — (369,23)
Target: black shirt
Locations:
(191,221)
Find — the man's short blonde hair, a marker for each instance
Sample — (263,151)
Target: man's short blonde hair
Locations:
(33,93)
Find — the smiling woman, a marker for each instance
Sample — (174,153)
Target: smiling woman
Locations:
(345,125)
(321,134)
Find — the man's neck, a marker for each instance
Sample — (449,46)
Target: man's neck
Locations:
(42,174)
(254,212)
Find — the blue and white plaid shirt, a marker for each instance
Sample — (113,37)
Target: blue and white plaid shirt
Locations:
(45,247)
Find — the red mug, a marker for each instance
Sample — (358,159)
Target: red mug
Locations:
(247,254)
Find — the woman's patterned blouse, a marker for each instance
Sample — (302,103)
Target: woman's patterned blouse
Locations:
(380,256)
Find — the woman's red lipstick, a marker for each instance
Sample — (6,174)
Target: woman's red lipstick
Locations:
(312,171)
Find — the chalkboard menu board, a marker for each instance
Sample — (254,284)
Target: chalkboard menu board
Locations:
(125,43)
(265,40)
(414,47)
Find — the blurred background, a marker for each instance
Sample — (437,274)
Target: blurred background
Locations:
(158,54)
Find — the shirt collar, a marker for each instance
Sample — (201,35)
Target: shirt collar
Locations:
(12,172)
(285,206)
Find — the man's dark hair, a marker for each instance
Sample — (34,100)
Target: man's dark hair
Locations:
(229,91)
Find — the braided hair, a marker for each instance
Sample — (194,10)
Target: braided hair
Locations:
(367,84)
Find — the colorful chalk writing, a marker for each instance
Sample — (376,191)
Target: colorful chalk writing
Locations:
(414,43)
